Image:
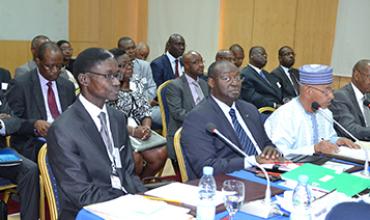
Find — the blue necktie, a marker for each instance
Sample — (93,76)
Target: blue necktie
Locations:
(315,138)
(247,145)
(264,77)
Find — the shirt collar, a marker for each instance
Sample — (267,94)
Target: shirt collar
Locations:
(258,70)
(171,58)
(190,79)
(91,108)
(286,70)
(42,79)
(225,108)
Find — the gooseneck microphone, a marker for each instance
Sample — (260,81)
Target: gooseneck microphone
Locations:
(316,107)
(266,206)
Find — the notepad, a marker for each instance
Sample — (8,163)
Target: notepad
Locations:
(329,179)
(9,157)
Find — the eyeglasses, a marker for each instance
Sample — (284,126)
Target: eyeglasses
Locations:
(110,76)
(123,65)
(228,79)
(326,92)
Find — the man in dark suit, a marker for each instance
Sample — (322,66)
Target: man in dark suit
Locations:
(259,87)
(25,175)
(169,66)
(5,77)
(183,94)
(39,97)
(287,75)
(348,103)
(88,146)
(238,120)
(238,52)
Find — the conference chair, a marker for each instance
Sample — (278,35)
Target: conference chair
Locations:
(180,156)
(48,183)
(7,188)
(163,106)
(266,112)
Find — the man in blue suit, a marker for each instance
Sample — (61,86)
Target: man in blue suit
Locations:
(238,120)
(169,66)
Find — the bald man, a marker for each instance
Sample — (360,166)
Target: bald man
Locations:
(184,93)
(348,104)
(225,55)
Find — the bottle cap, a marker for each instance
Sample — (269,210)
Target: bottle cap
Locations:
(207,170)
(303,179)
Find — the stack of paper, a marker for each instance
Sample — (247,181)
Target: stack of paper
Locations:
(137,207)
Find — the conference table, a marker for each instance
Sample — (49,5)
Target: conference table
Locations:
(252,183)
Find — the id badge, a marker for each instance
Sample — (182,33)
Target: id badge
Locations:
(116,182)
(117,157)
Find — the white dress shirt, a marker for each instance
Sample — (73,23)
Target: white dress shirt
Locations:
(173,63)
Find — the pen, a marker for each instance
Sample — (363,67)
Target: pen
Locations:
(325,194)
(162,199)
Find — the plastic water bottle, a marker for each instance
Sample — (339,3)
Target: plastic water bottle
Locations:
(207,191)
(301,200)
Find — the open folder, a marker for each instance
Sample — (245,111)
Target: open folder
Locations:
(329,179)
(9,157)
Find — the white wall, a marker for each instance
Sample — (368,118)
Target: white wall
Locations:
(196,20)
(24,19)
(352,35)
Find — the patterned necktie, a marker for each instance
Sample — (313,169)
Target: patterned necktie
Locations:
(247,145)
(104,133)
(315,138)
(177,68)
(52,103)
(198,91)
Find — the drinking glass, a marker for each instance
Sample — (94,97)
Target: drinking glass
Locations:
(233,193)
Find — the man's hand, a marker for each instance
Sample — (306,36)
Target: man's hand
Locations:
(5,116)
(269,155)
(42,127)
(326,147)
(348,143)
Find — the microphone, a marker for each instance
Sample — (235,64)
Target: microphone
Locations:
(316,107)
(262,209)
(366,103)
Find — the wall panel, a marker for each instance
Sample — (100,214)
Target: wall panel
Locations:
(14,54)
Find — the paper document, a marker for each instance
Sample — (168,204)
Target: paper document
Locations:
(358,154)
(182,193)
(137,207)
(338,167)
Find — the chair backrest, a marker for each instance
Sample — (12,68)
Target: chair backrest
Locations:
(266,110)
(162,101)
(180,156)
(49,183)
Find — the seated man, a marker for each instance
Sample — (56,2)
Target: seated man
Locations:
(349,107)
(142,50)
(259,87)
(225,55)
(88,146)
(238,52)
(25,175)
(183,94)
(296,128)
(39,97)
(287,75)
(238,120)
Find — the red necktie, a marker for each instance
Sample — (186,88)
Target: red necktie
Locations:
(177,68)
(52,102)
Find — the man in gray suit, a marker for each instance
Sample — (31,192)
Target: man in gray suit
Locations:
(349,107)
(39,97)
(183,94)
(88,146)
(31,64)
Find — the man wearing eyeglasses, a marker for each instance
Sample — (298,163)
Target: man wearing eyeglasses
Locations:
(39,97)
(296,127)
(236,119)
(88,146)
(351,103)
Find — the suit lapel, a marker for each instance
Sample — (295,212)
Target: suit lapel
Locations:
(204,87)
(37,94)
(187,91)
(114,128)
(356,106)
(62,94)
(287,81)
(169,66)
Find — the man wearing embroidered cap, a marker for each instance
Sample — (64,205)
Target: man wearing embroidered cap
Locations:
(296,128)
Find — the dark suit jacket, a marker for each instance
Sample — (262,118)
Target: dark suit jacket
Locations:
(257,91)
(5,77)
(162,69)
(26,100)
(348,113)
(11,124)
(202,148)
(287,87)
(180,102)
(81,164)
